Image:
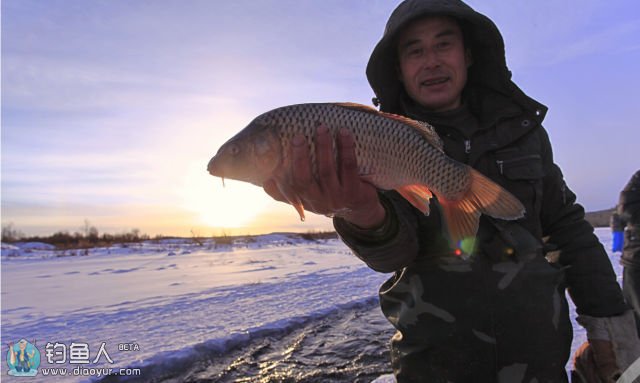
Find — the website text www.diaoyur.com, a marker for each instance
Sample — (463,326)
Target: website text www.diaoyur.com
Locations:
(84,371)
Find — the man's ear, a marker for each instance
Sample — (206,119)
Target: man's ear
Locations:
(468,57)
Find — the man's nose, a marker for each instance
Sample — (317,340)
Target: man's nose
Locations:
(430,60)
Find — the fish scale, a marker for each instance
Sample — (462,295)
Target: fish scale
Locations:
(383,176)
(392,152)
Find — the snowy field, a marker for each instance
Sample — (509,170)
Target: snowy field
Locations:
(167,305)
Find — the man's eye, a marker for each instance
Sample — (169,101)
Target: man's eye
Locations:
(443,44)
(414,52)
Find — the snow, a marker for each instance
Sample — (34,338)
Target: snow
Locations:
(175,297)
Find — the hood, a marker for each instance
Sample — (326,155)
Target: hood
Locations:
(489,69)
(634,183)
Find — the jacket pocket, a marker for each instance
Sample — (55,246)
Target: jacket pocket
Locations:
(524,167)
(521,174)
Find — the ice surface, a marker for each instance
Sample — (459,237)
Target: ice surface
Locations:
(176,298)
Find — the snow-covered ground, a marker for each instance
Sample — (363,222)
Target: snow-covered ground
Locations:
(165,302)
(170,298)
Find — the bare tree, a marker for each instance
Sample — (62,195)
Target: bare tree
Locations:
(10,233)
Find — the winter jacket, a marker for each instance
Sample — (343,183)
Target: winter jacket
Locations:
(499,313)
(629,213)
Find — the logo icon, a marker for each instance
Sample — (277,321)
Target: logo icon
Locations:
(23,358)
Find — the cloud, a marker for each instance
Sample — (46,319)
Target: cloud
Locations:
(613,40)
(549,33)
(110,103)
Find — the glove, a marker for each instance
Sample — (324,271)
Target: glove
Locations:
(595,362)
(618,240)
(612,346)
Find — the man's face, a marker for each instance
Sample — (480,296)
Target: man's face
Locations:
(433,62)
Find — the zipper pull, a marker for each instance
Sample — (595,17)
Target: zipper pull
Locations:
(467,146)
(500,163)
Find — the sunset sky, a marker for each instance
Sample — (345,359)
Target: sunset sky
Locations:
(112,109)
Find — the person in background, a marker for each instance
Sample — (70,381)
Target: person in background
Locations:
(492,309)
(628,211)
(617,232)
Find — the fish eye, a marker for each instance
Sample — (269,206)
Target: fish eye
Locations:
(234,149)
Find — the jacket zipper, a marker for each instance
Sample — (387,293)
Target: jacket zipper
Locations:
(467,146)
(516,160)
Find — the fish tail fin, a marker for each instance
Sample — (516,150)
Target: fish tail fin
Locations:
(462,216)
(493,199)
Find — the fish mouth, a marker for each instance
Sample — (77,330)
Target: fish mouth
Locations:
(214,168)
(434,81)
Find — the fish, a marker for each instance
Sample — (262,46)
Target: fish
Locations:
(393,152)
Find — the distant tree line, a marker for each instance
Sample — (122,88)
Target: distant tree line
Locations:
(87,237)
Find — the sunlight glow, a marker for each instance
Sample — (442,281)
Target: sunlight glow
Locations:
(232,206)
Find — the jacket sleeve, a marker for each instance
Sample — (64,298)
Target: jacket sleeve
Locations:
(591,280)
(392,246)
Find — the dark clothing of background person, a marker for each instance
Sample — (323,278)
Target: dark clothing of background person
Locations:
(617,232)
(629,215)
(499,314)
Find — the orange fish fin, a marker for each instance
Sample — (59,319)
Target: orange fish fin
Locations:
(461,219)
(484,196)
(417,195)
(494,200)
(293,199)
(299,208)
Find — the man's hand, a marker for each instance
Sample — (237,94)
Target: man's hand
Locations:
(611,348)
(338,190)
(595,361)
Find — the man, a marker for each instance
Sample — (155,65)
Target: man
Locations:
(629,215)
(499,312)
(617,232)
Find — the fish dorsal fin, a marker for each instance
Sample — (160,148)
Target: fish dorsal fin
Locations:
(425,129)
(356,106)
(429,132)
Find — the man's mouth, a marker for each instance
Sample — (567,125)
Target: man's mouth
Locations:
(434,81)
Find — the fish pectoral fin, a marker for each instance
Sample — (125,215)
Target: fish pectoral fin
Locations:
(293,199)
(299,208)
(417,195)
(461,218)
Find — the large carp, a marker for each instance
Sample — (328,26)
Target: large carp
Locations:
(393,152)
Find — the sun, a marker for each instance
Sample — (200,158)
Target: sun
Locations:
(231,206)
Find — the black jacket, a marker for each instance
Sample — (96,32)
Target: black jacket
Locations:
(629,213)
(511,147)
(498,287)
